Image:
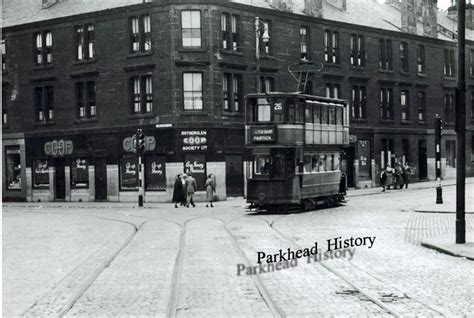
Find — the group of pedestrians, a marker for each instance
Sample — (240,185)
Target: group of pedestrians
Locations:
(400,175)
(185,186)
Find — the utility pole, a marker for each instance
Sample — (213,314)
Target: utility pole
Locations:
(438,129)
(461,126)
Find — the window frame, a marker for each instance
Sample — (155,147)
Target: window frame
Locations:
(331,47)
(191,30)
(421,59)
(141,98)
(405,105)
(43,49)
(386,104)
(357,48)
(421,106)
(141,40)
(85,38)
(305,47)
(193,91)
(44,106)
(404,57)
(359,102)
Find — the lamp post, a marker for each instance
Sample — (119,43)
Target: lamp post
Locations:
(259,24)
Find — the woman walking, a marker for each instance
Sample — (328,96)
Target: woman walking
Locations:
(210,189)
(178,191)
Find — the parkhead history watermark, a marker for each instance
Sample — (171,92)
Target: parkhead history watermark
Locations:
(336,248)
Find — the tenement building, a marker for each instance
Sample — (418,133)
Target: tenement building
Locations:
(79,79)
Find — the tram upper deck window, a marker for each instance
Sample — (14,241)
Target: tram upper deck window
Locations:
(324,115)
(332,115)
(263,110)
(339,116)
(316,114)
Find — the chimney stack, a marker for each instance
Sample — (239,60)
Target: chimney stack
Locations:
(430,18)
(408,9)
(313,8)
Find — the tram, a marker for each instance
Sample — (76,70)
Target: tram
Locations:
(295,142)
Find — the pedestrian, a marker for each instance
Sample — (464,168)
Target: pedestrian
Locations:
(406,171)
(183,181)
(342,184)
(190,189)
(178,191)
(388,180)
(210,189)
(383,179)
(398,180)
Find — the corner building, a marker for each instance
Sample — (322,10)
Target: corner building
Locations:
(78,81)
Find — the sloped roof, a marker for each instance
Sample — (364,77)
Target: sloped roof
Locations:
(16,12)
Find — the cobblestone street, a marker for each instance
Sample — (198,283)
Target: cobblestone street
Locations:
(116,260)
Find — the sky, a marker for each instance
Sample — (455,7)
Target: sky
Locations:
(444,4)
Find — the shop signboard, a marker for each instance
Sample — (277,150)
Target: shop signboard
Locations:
(194,140)
(41,173)
(58,148)
(129,172)
(195,164)
(79,173)
(263,134)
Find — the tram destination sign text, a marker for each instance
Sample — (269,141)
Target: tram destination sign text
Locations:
(263,134)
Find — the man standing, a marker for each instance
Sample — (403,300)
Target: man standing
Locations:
(190,189)
(406,171)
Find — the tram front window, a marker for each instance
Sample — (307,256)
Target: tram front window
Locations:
(263,110)
(263,165)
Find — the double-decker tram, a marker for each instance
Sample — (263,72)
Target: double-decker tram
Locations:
(295,141)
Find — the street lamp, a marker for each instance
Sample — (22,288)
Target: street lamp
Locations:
(261,32)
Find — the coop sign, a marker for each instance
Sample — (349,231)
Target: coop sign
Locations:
(263,134)
(129,144)
(58,148)
(194,140)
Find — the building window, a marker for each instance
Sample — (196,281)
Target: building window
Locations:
(3,50)
(141,87)
(80,173)
(4,106)
(40,171)
(420,59)
(43,48)
(267,84)
(192,91)
(333,90)
(449,108)
(85,42)
(359,102)
(128,173)
(44,103)
(404,57)
(357,50)
(385,61)
(230,31)
(386,103)
(405,105)
(448,63)
(331,47)
(304,43)
(232,91)
(191,28)
(421,105)
(13,167)
(140,34)
(85,99)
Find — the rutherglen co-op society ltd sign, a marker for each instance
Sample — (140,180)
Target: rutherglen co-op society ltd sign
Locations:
(194,140)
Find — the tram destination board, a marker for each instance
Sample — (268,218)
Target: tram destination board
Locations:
(263,134)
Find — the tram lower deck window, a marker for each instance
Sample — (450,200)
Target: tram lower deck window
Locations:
(262,164)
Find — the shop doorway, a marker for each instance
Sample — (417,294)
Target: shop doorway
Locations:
(350,166)
(60,179)
(422,160)
(100,179)
(234,175)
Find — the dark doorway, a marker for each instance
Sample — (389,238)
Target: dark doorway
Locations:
(60,179)
(234,175)
(350,157)
(422,160)
(100,179)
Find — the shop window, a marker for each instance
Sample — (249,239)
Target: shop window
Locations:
(128,173)
(195,164)
(44,103)
(357,50)
(405,105)
(85,42)
(404,57)
(386,103)
(331,47)
(85,99)
(13,167)
(140,34)
(304,43)
(448,69)
(40,171)
(155,173)
(421,105)
(141,87)
(385,57)
(80,173)
(420,59)
(191,28)
(43,48)
(192,91)
(359,102)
